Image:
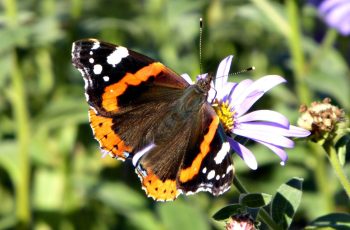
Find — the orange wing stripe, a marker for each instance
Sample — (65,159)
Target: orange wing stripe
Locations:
(108,139)
(159,190)
(109,97)
(188,173)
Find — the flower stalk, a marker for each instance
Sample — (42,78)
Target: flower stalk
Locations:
(327,124)
(335,163)
(22,133)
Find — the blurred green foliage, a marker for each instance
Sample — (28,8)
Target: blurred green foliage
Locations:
(51,173)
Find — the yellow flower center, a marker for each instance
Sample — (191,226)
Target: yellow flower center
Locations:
(226,116)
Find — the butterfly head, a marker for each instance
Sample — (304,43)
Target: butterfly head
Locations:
(204,82)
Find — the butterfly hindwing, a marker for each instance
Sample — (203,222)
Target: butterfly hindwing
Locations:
(210,168)
(196,158)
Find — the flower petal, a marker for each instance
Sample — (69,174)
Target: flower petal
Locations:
(265,136)
(263,84)
(223,71)
(276,128)
(336,14)
(187,78)
(264,115)
(222,75)
(211,95)
(276,149)
(201,76)
(295,131)
(248,102)
(228,89)
(238,90)
(329,4)
(244,153)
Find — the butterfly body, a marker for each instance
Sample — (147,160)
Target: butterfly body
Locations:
(143,111)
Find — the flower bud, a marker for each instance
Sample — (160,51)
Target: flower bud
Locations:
(324,120)
(240,222)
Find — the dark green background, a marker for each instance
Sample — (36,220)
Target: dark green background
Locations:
(51,173)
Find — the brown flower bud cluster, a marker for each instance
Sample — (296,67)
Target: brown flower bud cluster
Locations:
(322,118)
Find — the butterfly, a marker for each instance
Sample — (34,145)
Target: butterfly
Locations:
(142,111)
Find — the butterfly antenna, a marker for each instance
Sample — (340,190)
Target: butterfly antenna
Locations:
(243,71)
(200,44)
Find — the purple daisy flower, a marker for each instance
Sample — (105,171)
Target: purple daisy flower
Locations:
(336,14)
(232,101)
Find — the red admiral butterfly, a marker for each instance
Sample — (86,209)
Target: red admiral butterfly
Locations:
(143,111)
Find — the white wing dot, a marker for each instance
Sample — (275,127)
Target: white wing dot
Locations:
(97,69)
(106,78)
(211,175)
(117,55)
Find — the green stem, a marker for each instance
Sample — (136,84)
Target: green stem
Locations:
(263,214)
(295,46)
(334,160)
(10,12)
(21,117)
(321,176)
(22,133)
(327,43)
(275,18)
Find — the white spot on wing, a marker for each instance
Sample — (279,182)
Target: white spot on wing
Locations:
(204,170)
(73,51)
(211,175)
(142,152)
(91,107)
(106,78)
(117,55)
(96,45)
(91,60)
(217,177)
(87,97)
(229,169)
(91,53)
(220,156)
(97,69)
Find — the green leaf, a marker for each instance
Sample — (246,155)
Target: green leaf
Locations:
(335,220)
(120,197)
(181,215)
(60,112)
(9,159)
(329,75)
(228,211)
(286,202)
(48,181)
(129,203)
(255,200)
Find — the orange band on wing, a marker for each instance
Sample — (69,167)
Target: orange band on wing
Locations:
(188,173)
(109,97)
(159,190)
(106,136)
